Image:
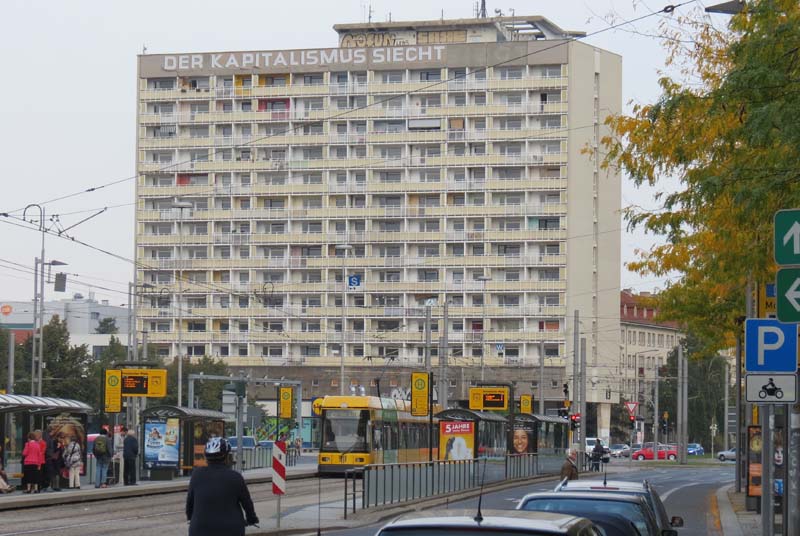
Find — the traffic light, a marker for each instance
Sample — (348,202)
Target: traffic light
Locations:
(575,420)
(566,391)
(664,425)
(563,413)
(633,421)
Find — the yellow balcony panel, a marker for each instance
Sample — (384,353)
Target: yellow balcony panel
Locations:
(555,158)
(406,137)
(159,94)
(389,88)
(171,191)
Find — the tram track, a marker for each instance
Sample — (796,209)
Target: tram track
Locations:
(157,514)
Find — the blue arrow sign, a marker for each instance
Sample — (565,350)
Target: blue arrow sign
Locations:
(770,346)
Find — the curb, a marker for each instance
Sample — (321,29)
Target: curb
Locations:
(728,518)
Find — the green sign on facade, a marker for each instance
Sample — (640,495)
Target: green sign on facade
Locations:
(787,237)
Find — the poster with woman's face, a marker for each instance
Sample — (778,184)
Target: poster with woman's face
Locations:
(523,439)
(62,428)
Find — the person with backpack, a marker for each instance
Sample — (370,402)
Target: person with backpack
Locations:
(73,461)
(102,457)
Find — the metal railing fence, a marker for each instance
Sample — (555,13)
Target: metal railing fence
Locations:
(392,483)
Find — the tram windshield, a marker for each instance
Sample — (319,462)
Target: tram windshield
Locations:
(345,430)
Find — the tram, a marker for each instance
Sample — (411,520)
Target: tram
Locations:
(362,430)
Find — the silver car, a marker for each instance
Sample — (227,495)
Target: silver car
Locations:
(725,455)
(488,523)
(642,488)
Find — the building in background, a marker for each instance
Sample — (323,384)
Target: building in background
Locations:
(646,344)
(83,315)
(456,162)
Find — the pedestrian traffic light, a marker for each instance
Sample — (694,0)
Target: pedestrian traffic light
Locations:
(633,421)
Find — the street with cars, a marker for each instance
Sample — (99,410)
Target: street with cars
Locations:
(687,492)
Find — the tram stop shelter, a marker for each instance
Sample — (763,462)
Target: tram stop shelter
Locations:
(174,439)
(21,414)
(486,435)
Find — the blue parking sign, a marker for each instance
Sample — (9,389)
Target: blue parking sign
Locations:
(770,346)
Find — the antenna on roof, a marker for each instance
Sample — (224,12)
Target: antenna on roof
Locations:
(479,517)
(482,13)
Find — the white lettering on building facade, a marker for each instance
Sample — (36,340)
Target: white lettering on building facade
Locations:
(322,57)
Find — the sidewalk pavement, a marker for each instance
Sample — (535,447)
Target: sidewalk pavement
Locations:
(735,518)
(89,493)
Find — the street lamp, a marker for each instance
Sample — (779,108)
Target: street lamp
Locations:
(345,248)
(483,279)
(180,204)
(42,264)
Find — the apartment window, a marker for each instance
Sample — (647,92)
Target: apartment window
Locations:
(512,275)
(195,350)
(313,79)
(428,276)
(429,251)
(392,77)
(310,350)
(429,76)
(429,226)
(243,327)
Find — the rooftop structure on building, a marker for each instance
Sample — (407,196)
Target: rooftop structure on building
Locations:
(438,162)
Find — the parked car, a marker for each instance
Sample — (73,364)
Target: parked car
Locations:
(664,453)
(592,506)
(619,450)
(494,522)
(725,455)
(695,449)
(248,442)
(643,489)
(636,446)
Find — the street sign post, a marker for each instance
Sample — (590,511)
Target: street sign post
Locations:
(770,346)
(419,394)
(771,388)
(788,294)
(787,237)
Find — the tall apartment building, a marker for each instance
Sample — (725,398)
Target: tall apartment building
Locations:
(451,158)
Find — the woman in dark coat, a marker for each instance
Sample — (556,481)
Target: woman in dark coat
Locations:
(218,495)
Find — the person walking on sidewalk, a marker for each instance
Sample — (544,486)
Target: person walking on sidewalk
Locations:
(217,495)
(130,451)
(102,456)
(570,469)
(73,460)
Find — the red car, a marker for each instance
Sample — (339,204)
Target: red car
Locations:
(663,454)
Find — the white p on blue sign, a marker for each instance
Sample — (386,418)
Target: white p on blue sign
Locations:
(770,346)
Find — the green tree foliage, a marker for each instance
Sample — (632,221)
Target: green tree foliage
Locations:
(107,326)
(208,393)
(729,131)
(706,392)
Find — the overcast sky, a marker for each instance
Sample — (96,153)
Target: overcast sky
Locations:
(67,118)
